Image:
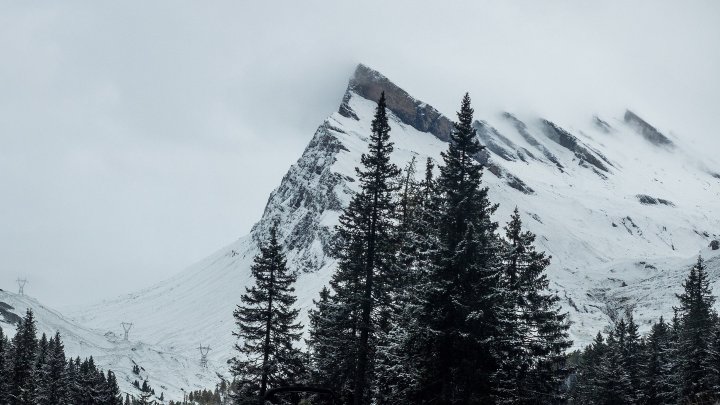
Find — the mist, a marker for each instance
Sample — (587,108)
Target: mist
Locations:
(137,138)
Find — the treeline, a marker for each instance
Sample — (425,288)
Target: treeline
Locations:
(431,302)
(35,371)
(219,396)
(678,362)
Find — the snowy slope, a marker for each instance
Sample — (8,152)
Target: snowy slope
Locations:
(167,372)
(622,208)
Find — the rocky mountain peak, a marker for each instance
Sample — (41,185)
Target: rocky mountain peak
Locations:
(369,84)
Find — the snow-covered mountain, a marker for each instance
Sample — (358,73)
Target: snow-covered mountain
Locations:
(622,207)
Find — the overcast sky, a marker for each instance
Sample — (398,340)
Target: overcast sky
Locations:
(138,137)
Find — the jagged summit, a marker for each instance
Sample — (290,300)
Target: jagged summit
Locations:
(369,84)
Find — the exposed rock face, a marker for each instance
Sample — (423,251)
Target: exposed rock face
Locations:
(370,84)
(648,200)
(307,191)
(715,245)
(499,144)
(6,314)
(648,131)
(570,142)
(523,131)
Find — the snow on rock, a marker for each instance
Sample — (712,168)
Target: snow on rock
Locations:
(581,197)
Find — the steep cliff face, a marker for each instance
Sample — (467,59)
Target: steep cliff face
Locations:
(586,188)
(309,191)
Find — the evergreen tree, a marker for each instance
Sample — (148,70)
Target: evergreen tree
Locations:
(696,331)
(267,326)
(42,353)
(4,369)
(328,369)
(52,389)
(362,285)
(589,373)
(372,229)
(23,358)
(657,380)
(396,371)
(632,352)
(460,298)
(614,384)
(74,393)
(113,394)
(534,331)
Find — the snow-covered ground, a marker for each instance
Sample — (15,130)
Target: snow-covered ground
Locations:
(167,371)
(623,210)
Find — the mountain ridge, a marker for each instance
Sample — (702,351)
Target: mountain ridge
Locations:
(577,187)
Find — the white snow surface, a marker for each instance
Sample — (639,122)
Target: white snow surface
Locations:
(609,251)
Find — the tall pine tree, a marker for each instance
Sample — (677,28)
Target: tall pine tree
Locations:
(657,381)
(534,331)
(267,326)
(696,331)
(362,285)
(458,317)
(23,357)
(396,372)
(53,387)
(4,369)
(373,230)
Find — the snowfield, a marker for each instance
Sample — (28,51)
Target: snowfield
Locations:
(623,209)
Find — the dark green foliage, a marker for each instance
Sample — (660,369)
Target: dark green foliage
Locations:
(54,387)
(696,334)
(331,350)
(357,310)
(657,378)
(675,363)
(533,332)
(206,397)
(457,314)
(4,372)
(35,371)
(23,356)
(267,327)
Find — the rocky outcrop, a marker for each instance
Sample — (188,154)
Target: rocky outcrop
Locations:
(308,191)
(369,84)
(649,132)
(6,314)
(499,144)
(648,200)
(571,143)
(523,131)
